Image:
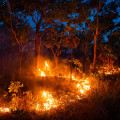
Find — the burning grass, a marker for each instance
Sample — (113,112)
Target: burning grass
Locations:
(52,97)
(46,92)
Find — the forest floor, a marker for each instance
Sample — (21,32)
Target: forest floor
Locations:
(83,109)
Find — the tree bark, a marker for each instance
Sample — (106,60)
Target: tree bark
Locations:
(108,61)
(37,47)
(20,63)
(86,56)
(95,43)
(56,60)
(95,51)
(37,54)
(71,62)
(55,57)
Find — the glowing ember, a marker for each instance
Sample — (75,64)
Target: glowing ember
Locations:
(108,73)
(47,106)
(38,107)
(78,97)
(4,109)
(82,91)
(78,85)
(86,87)
(86,81)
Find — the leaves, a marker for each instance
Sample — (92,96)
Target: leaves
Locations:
(14,86)
(77,62)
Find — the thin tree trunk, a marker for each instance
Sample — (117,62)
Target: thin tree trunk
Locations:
(37,49)
(95,51)
(20,61)
(55,57)
(108,61)
(3,60)
(85,62)
(95,41)
(71,62)
(37,56)
(56,60)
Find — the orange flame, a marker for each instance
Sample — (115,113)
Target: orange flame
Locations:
(41,73)
(46,64)
(4,109)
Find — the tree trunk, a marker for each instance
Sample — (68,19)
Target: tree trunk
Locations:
(95,41)
(86,56)
(20,61)
(37,49)
(108,61)
(71,62)
(56,60)
(95,51)
(37,54)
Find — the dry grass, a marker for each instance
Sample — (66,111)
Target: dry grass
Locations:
(102,102)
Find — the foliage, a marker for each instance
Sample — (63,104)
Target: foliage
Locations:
(15,86)
(78,65)
(71,39)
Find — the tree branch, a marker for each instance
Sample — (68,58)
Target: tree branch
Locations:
(22,13)
(90,27)
(105,28)
(33,18)
(12,24)
(26,44)
(42,16)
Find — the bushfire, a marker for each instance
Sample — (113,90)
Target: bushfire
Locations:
(48,101)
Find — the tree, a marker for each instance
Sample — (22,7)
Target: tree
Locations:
(98,16)
(114,41)
(85,46)
(106,55)
(46,14)
(19,28)
(71,41)
(54,41)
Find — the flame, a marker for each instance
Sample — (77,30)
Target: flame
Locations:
(46,64)
(37,107)
(44,94)
(46,106)
(41,73)
(49,101)
(78,85)
(86,81)
(83,85)
(86,87)
(82,91)
(4,109)
(72,77)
